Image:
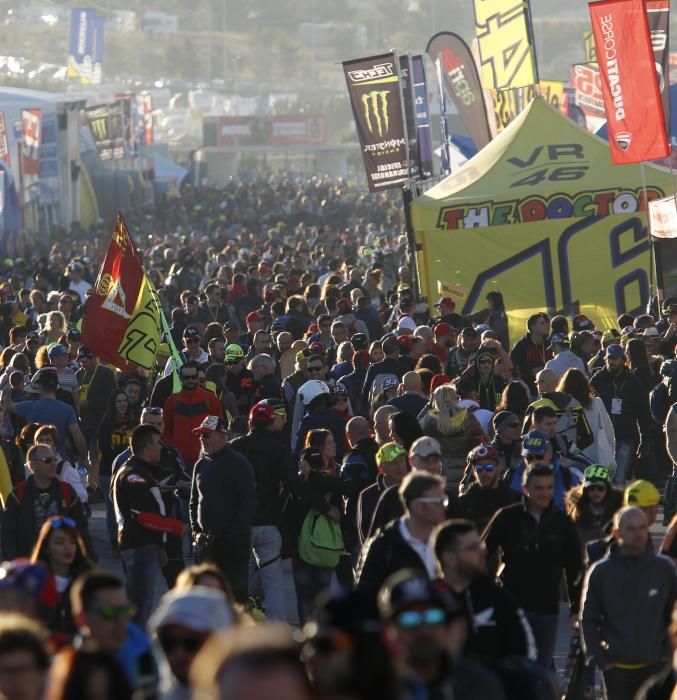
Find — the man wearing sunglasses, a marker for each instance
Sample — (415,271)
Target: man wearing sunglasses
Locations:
(191,351)
(428,624)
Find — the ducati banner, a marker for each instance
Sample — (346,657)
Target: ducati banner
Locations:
(374,90)
(409,116)
(629,84)
(463,84)
(423,134)
(658,16)
(503,31)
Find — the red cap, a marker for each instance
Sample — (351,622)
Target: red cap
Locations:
(253,316)
(312,328)
(444,329)
(261,413)
(293,281)
(405,341)
(438,380)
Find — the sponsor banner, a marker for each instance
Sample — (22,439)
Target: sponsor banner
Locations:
(423,133)
(589,46)
(409,115)
(586,84)
(124,100)
(509,103)
(122,322)
(107,125)
(445,141)
(80,63)
(298,130)
(452,289)
(629,83)
(143,119)
(463,84)
(658,17)
(4,141)
(31,120)
(663,217)
(50,192)
(374,89)
(97,51)
(503,31)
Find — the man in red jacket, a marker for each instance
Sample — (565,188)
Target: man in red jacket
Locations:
(185,411)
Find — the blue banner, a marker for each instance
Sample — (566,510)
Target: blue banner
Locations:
(425,142)
(99,26)
(81,44)
(49,161)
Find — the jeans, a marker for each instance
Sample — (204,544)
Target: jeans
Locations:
(625,457)
(623,683)
(231,554)
(111,525)
(266,547)
(544,627)
(142,565)
(310,582)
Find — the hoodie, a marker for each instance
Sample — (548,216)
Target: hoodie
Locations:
(200,609)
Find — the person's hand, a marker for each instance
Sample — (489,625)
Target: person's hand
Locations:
(573,622)
(163,559)
(334,514)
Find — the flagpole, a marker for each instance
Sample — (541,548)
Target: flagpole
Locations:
(653,269)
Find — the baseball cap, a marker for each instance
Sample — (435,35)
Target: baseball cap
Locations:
(57,350)
(615,350)
(596,474)
(535,442)
(403,287)
(359,341)
(261,413)
(406,323)
(34,580)
(439,380)
(503,419)
(609,336)
(440,329)
(409,588)
(230,326)
(45,377)
(253,316)
(234,353)
(425,447)
(558,339)
(73,334)
(389,383)
(389,452)
(641,493)
(84,353)
(445,301)
(211,424)
(191,332)
(582,323)
(651,332)
(200,609)
(469,332)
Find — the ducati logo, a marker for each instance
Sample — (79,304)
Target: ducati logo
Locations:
(376,112)
(623,140)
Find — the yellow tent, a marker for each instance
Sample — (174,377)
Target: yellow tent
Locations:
(542,216)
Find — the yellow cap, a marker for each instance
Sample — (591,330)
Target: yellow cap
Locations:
(642,494)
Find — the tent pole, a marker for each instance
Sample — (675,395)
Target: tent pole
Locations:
(407,199)
(653,267)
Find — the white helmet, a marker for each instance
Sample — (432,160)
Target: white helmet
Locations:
(311,390)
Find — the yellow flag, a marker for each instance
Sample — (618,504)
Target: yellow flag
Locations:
(142,338)
(5,479)
(452,289)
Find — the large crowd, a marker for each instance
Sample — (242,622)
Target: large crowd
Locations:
(336,491)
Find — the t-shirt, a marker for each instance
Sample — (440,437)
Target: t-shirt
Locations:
(68,381)
(49,412)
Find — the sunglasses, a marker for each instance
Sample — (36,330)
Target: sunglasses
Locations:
(413,619)
(170,642)
(56,523)
(316,369)
(436,500)
(113,612)
(46,460)
(488,467)
(153,410)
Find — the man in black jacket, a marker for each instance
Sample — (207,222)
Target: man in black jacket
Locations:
(273,465)
(223,505)
(537,543)
(627,404)
(529,354)
(389,365)
(141,518)
(498,626)
(407,542)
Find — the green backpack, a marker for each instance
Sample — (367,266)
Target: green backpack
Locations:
(320,540)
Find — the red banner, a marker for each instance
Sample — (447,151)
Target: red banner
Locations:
(629,85)
(31,120)
(110,308)
(4,143)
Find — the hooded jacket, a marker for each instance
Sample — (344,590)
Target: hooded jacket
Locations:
(626,607)
(200,609)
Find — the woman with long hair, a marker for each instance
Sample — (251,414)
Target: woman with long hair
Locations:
(638,359)
(404,429)
(515,398)
(61,547)
(576,384)
(55,326)
(455,428)
(65,471)
(114,436)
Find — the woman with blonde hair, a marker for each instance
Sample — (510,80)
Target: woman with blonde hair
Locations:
(455,428)
(55,325)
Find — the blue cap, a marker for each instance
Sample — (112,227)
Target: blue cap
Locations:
(536,442)
(559,339)
(615,350)
(57,350)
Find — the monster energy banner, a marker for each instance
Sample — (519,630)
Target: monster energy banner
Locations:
(106,123)
(374,89)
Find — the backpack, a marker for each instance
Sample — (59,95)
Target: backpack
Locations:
(320,541)
(66,492)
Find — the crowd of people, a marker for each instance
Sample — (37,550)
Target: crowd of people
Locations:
(351,493)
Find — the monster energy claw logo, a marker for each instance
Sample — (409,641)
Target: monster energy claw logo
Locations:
(375,104)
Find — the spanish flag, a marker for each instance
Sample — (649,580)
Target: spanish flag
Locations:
(122,323)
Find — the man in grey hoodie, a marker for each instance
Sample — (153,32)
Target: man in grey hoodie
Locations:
(181,624)
(626,607)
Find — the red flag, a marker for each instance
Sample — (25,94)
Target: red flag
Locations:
(629,85)
(31,122)
(114,297)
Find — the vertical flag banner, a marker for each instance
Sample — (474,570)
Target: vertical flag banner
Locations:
(374,90)
(629,85)
(4,142)
(423,133)
(97,50)
(509,103)
(30,151)
(98,118)
(463,84)
(409,116)
(587,88)
(81,45)
(589,47)
(122,322)
(503,31)
(658,17)
(445,150)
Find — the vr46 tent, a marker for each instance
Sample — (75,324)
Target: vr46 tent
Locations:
(541,215)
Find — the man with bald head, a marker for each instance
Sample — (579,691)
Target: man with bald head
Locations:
(410,397)
(626,607)
(546,381)
(381,424)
